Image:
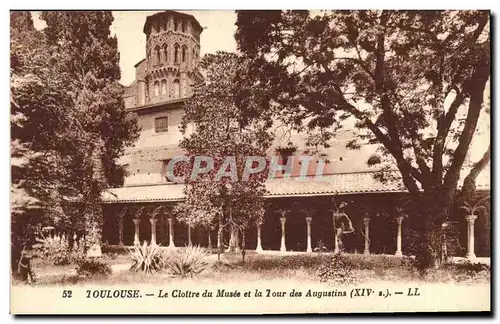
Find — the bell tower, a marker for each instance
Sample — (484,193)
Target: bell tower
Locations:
(172,55)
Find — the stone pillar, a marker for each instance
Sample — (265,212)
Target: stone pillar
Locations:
(366,222)
(153,230)
(209,239)
(120,231)
(470,237)
(309,247)
(283,245)
(171,243)
(189,236)
(136,232)
(259,242)
(399,251)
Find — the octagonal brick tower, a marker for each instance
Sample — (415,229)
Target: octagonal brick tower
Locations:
(172,54)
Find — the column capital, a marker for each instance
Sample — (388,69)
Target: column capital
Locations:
(399,219)
(136,221)
(309,220)
(366,220)
(283,220)
(153,220)
(471,218)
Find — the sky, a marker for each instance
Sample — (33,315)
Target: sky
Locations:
(218,34)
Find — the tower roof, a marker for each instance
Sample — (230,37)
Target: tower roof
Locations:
(150,19)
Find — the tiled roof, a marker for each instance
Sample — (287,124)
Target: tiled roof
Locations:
(345,183)
(338,183)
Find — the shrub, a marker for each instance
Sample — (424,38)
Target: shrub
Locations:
(54,249)
(469,271)
(147,258)
(188,262)
(89,267)
(336,269)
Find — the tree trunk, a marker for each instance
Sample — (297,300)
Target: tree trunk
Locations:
(234,244)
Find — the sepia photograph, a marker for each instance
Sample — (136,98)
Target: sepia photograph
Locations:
(250,161)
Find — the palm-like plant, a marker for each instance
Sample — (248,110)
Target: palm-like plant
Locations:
(147,258)
(476,208)
(189,262)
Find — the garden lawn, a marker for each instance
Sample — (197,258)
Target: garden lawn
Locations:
(298,268)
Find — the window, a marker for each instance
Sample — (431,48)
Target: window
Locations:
(184,54)
(156,88)
(176,53)
(165,53)
(161,124)
(176,24)
(177,89)
(158,55)
(183,26)
(164,87)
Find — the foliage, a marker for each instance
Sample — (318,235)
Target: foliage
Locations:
(188,262)
(68,120)
(414,82)
(220,195)
(337,269)
(470,271)
(147,258)
(57,250)
(89,267)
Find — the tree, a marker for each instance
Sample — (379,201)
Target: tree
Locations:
(414,81)
(39,131)
(69,102)
(222,194)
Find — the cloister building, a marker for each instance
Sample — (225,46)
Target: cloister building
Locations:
(141,209)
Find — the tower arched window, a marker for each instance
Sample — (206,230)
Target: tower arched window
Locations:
(176,53)
(165,53)
(176,24)
(177,89)
(183,26)
(156,88)
(158,55)
(184,54)
(193,58)
(163,87)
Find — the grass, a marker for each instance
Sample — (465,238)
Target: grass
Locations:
(259,268)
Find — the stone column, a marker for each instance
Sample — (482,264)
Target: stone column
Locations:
(470,237)
(366,222)
(120,231)
(283,245)
(399,251)
(209,239)
(153,230)
(259,242)
(309,247)
(136,232)
(171,243)
(189,236)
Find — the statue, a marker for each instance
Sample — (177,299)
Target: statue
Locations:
(342,224)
